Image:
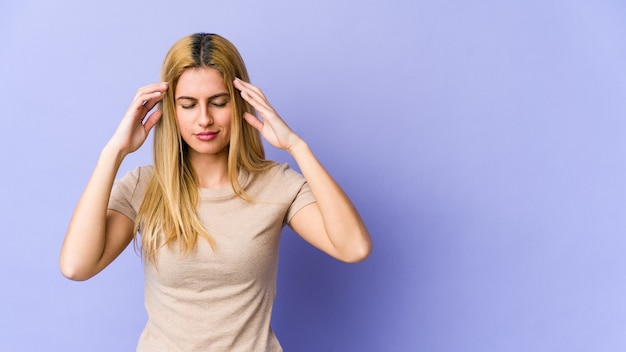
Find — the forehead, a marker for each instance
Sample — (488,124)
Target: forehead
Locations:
(200,82)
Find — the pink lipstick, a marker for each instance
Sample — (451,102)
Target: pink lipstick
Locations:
(206,136)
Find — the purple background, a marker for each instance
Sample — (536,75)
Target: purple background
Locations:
(484,143)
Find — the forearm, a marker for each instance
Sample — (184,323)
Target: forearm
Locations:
(332,224)
(85,239)
(343,224)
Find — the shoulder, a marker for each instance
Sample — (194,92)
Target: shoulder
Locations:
(139,174)
(281,173)
(128,191)
(136,180)
(279,180)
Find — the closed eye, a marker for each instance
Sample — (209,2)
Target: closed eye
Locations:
(219,100)
(220,104)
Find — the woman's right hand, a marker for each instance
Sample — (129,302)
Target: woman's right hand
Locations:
(134,127)
(96,235)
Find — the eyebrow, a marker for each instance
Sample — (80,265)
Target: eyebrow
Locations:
(218,95)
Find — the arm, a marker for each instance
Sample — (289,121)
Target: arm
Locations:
(95,235)
(332,224)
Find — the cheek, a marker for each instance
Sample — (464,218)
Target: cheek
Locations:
(226,119)
(229,127)
(181,119)
(225,115)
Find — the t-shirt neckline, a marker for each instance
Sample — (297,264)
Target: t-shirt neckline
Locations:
(227,191)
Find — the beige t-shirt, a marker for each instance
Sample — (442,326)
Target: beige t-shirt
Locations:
(218,300)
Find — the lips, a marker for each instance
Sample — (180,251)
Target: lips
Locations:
(206,136)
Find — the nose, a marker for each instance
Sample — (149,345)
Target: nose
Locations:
(205,119)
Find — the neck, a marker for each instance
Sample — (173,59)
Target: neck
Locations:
(211,170)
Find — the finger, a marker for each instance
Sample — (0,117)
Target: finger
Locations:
(253,92)
(241,84)
(152,120)
(249,86)
(261,106)
(152,101)
(254,101)
(252,120)
(153,91)
(255,97)
(160,87)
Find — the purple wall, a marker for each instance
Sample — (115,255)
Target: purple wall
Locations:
(484,143)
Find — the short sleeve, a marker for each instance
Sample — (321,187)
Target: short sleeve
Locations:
(303,195)
(128,192)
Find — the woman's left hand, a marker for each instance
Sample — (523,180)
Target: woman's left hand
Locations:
(272,126)
(331,223)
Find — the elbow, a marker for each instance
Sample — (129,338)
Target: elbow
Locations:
(73,271)
(358,253)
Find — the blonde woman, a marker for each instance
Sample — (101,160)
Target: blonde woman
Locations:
(210,210)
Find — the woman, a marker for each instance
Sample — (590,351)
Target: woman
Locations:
(211,208)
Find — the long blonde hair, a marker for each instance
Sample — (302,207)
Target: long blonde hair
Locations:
(168,212)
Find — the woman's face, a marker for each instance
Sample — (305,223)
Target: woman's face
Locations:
(203,112)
